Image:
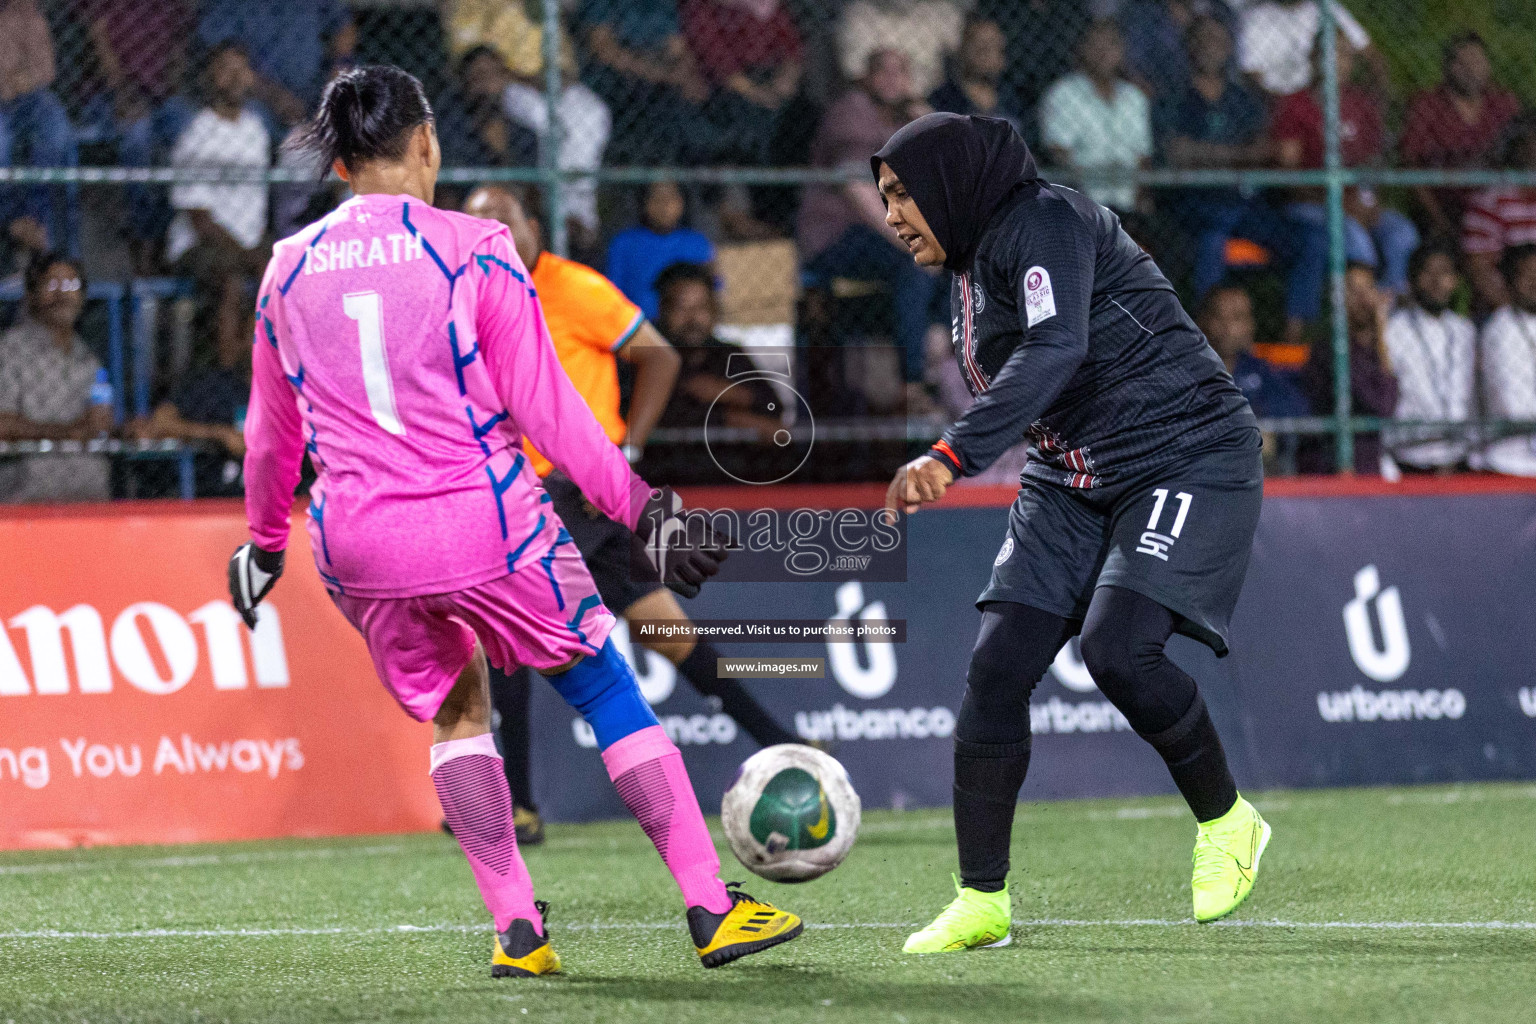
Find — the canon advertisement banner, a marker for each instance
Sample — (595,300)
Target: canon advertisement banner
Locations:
(135,706)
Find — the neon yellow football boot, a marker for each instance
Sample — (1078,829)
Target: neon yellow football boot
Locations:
(974,920)
(750,926)
(1226,860)
(521,952)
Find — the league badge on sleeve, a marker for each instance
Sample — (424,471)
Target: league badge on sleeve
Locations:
(1039,302)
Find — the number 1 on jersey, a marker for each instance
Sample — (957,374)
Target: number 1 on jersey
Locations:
(367,309)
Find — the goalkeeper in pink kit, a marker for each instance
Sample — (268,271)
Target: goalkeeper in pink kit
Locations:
(402,347)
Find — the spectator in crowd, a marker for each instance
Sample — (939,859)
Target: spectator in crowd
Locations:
(1500,217)
(639,63)
(926,31)
(293,46)
(1458,124)
(1226,317)
(585,127)
(208,406)
(750,52)
(1276,40)
(1375,235)
(34,127)
(512,28)
(1043,37)
(52,389)
(138,52)
(1093,119)
(1432,349)
(1372,385)
(218,236)
(842,230)
(1509,364)
(976,85)
(1156,33)
(638,254)
(689,316)
(472,121)
(1218,121)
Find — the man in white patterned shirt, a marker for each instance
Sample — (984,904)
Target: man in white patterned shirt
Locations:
(1433,350)
(1509,364)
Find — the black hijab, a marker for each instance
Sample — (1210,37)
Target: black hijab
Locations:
(958,168)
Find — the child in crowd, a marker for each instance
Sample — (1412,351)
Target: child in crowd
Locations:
(637,255)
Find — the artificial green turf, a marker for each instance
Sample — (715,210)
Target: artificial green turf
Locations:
(1460,854)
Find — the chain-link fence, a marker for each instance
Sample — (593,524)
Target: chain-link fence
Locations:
(1344,194)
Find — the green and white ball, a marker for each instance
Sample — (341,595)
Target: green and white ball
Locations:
(791,815)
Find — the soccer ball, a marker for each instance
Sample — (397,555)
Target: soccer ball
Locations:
(791,815)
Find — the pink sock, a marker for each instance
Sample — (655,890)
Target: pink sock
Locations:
(648,772)
(472,788)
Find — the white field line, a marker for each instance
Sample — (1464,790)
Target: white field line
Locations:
(919,820)
(1044,922)
(197,860)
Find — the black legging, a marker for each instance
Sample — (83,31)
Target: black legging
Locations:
(1123,639)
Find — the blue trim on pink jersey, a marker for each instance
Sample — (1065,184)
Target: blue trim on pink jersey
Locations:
(486,260)
(331,581)
(482,429)
(266,321)
(324,227)
(313,444)
(452,276)
(297,382)
(499,487)
(587,604)
(515,555)
(460,362)
(317,513)
(548,562)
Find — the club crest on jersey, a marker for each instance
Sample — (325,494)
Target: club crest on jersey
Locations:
(1007,550)
(978,298)
(1039,301)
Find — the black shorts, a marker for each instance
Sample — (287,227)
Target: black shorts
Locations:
(1179,534)
(604,545)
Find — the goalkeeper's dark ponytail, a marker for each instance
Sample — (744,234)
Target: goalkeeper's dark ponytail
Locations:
(365,114)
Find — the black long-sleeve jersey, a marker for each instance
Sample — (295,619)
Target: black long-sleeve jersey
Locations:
(1070,335)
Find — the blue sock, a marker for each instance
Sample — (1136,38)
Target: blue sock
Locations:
(604,689)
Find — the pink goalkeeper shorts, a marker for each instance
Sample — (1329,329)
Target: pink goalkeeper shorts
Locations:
(542,616)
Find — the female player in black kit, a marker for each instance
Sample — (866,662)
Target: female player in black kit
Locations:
(1135,512)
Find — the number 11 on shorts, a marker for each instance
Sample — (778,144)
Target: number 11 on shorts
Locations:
(1158,544)
(368,310)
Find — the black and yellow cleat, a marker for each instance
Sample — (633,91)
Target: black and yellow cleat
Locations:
(529,826)
(748,927)
(522,952)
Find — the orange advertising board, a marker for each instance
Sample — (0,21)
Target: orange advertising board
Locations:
(135,707)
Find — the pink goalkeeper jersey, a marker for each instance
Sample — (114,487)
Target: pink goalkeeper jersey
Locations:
(403,347)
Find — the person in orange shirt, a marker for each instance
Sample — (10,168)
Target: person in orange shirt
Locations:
(592,324)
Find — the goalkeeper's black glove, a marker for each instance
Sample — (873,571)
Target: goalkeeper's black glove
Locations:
(684,550)
(252,572)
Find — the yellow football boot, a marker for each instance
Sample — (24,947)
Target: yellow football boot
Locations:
(750,926)
(522,952)
(1226,860)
